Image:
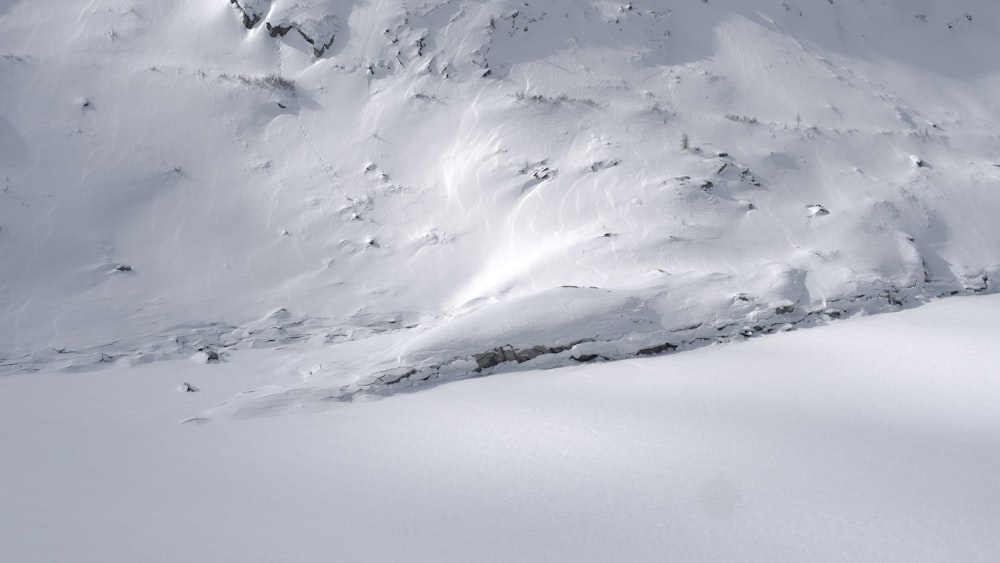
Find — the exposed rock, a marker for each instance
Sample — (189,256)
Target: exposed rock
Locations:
(659,349)
(508,353)
(277,30)
(604,164)
(977,284)
(250,18)
(816,210)
(495,357)
(394,376)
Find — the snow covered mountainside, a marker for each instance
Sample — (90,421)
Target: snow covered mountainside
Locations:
(476,185)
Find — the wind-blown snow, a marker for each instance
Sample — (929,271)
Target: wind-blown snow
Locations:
(477,175)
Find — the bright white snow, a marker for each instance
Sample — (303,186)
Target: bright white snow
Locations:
(243,244)
(873,439)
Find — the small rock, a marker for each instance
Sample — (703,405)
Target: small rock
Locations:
(653,350)
(542,173)
(187,387)
(205,357)
(816,210)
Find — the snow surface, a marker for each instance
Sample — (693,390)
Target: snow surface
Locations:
(217,214)
(872,439)
(483,174)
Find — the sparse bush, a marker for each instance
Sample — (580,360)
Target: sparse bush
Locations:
(741,118)
(278,82)
(560,99)
(272,81)
(525,97)
(685,142)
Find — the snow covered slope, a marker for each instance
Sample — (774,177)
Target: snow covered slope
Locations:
(492,182)
(874,439)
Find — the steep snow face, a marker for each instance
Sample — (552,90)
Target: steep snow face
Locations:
(600,178)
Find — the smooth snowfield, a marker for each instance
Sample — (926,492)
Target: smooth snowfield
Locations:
(872,439)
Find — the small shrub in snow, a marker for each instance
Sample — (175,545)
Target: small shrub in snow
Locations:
(741,118)
(271,81)
(560,99)
(525,97)
(278,82)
